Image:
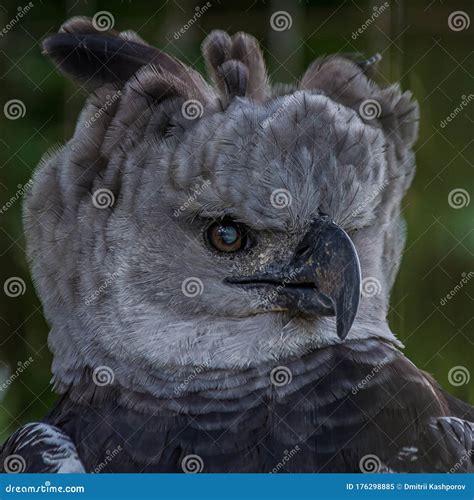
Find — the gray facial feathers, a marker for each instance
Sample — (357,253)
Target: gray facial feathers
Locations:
(116,220)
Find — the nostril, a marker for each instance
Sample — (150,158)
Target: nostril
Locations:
(302,249)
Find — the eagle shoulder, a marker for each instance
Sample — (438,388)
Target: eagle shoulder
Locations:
(40,447)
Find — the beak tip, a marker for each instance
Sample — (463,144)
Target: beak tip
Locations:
(347,306)
(342,330)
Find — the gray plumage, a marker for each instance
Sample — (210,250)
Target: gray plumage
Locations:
(191,373)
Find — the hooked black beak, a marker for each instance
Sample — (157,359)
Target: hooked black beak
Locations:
(323,277)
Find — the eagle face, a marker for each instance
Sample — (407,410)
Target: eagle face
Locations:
(240,199)
(228,225)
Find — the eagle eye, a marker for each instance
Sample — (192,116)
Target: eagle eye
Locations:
(226,236)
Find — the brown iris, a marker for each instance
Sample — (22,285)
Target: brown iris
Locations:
(226,236)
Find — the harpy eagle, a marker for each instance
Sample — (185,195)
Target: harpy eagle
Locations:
(199,250)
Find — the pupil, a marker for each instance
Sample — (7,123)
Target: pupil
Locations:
(228,234)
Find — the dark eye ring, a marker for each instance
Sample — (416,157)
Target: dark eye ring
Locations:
(227,236)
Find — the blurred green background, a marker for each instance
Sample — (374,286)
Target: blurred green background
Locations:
(419,49)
